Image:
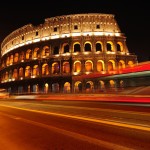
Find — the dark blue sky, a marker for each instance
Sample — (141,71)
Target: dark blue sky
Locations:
(133,17)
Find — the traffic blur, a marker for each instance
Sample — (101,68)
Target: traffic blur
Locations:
(86,97)
(4,95)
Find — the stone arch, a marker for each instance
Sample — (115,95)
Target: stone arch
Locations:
(66,67)
(36,88)
(109,46)
(16,57)
(15,74)
(55,68)
(35,70)
(87,47)
(67,87)
(6,76)
(36,53)
(21,56)
(28,71)
(76,47)
(130,63)
(56,50)
(45,70)
(77,66)
(89,87)
(121,64)
(78,87)
(55,88)
(7,61)
(119,47)
(121,84)
(112,85)
(101,85)
(29,54)
(45,51)
(11,60)
(46,88)
(111,66)
(21,72)
(99,46)
(65,48)
(100,65)
(88,66)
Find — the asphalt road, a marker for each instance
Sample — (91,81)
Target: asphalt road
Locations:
(73,125)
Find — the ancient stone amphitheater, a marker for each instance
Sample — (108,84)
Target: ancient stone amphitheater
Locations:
(52,57)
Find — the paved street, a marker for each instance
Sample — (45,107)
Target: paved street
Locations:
(65,125)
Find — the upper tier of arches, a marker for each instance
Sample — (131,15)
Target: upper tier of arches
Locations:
(93,24)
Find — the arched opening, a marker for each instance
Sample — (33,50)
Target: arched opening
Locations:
(66,67)
(66,48)
(67,88)
(35,70)
(121,64)
(7,61)
(101,86)
(36,88)
(87,47)
(130,63)
(88,66)
(28,54)
(100,66)
(36,53)
(29,89)
(55,87)
(21,57)
(21,72)
(11,59)
(110,66)
(28,71)
(98,47)
(56,50)
(122,84)
(78,87)
(20,89)
(89,87)
(77,47)
(119,47)
(45,51)
(109,46)
(15,74)
(46,87)
(45,70)
(77,66)
(112,85)
(16,57)
(55,68)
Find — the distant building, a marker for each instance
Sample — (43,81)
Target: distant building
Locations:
(51,57)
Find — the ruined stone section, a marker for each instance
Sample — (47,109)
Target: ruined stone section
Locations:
(63,26)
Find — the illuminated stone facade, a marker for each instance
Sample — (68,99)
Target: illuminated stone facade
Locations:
(50,57)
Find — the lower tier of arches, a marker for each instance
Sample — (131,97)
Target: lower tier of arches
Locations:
(69,84)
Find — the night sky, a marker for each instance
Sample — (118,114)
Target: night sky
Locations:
(133,17)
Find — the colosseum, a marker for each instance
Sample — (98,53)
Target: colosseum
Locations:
(53,57)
